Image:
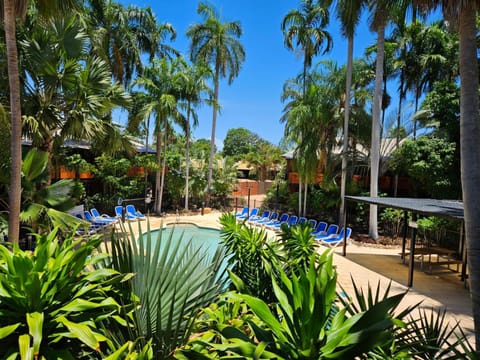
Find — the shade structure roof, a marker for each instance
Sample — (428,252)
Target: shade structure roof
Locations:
(444,208)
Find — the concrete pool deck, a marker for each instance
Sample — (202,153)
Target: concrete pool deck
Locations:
(438,290)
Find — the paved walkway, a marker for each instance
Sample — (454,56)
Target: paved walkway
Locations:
(370,265)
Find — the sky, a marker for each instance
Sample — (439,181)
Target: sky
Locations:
(252,101)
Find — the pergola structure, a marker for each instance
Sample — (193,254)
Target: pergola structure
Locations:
(443,208)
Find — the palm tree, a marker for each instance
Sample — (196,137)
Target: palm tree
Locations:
(216,43)
(161,83)
(120,36)
(68,93)
(307,27)
(378,21)
(348,11)
(193,87)
(11,10)
(463,13)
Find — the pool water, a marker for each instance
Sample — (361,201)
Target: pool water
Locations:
(205,239)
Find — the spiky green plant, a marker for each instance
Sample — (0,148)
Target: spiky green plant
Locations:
(303,323)
(53,303)
(426,336)
(173,281)
(250,256)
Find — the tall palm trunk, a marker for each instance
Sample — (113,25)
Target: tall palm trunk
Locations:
(346,121)
(299,196)
(470,164)
(375,146)
(16,122)
(305,192)
(300,173)
(164,162)
(214,125)
(158,204)
(187,158)
(399,117)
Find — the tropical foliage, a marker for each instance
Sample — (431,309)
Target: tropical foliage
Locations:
(54,303)
(173,280)
(306,316)
(217,44)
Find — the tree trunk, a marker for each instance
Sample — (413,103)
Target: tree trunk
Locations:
(187,159)
(305,191)
(375,146)
(299,196)
(158,204)
(212,138)
(346,120)
(399,118)
(470,164)
(15,190)
(164,162)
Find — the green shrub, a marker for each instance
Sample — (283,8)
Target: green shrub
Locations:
(249,255)
(304,322)
(54,303)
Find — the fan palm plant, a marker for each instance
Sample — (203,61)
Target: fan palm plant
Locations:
(11,11)
(172,282)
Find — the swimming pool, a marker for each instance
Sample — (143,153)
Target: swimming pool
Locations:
(204,239)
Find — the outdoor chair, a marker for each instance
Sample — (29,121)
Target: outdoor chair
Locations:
(273,223)
(246,216)
(122,214)
(336,240)
(244,212)
(96,215)
(302,220)
(98,222)
(261,222)
(130,209)
(291,221)
(330,233)
(255,218)
(319,229)
(313,223)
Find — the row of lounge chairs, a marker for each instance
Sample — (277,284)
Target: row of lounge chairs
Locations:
(323,232)
(130,214)
(99,221)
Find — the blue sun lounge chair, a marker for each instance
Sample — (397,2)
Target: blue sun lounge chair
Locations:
(246,216)
(273,216)
(96,215)
(292,220)
(334,241)
(255,218)
(272,224)
(313,223)
(100,222)
(302,220)
(320,228)
(243,213)
(332,231)
(84,229)
(120,214)
(134,212)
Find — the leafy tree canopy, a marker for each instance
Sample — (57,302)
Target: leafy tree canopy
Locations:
(442,107)
(200,149)
(240,141)
(429,161)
